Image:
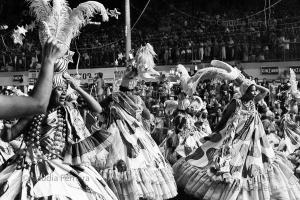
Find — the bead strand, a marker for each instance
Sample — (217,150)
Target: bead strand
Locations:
(32,140)
(33,137)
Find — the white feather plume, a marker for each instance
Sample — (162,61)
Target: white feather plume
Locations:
(41,9)
(232,73)
(63,22)
(184,77)
(144,57)
(144,62)
(59,19)
(80,16)
(220,70)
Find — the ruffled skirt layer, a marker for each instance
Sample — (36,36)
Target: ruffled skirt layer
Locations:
(136,174)
(51,179)
(278,182)
(155,183)
(176,146)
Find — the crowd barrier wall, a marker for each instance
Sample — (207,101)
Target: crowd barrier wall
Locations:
(268,70)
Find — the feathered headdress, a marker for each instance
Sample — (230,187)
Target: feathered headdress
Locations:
(62,22)
(59,80)
(144,62)
(141,67)
(219,70)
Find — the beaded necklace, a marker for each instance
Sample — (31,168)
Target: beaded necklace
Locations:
(248,105)
(33,139)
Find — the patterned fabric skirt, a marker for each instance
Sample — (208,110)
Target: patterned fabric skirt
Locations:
(135,169)
(176,146)
(51,179)
(291,140)
(278,182)
(238,163)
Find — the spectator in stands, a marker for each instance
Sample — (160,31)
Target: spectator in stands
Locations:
(201,50)
(223,50)
(230,51)
(208,46)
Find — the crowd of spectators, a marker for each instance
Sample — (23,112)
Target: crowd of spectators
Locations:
(183,35)
(216,95)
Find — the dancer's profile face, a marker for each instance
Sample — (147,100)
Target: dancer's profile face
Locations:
(251,92)
(60,94)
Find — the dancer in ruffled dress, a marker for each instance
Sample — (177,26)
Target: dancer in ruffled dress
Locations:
(290,130)
(56,161)
(186,136)
(133,165)
(290,142)
(236,161)
(290,136)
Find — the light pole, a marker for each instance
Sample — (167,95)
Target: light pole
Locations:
(127,29)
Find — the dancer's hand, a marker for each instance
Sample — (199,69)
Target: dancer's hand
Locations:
(53,49)
(75,84)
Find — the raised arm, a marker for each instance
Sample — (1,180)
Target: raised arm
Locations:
(13,106)
(91,102)
(263,92)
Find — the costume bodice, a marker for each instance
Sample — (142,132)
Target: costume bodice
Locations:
(45,136)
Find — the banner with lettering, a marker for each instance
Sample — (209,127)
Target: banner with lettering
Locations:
(296,69)
(269,70)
